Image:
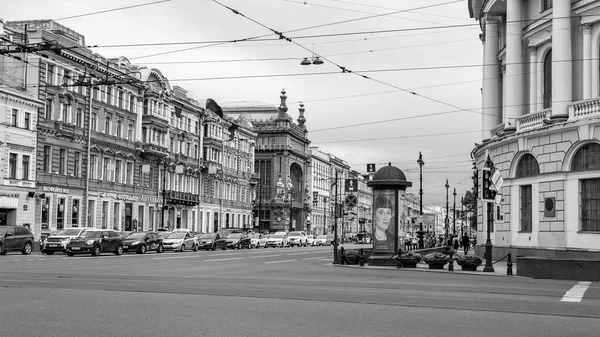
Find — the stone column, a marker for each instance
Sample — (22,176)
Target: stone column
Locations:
(492,110)
(515,78)
(587,60)
(533,75)
(562,67)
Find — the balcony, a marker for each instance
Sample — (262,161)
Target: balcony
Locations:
(149,150)
(182,198)
(155,120)
(533,120)
(589,108)
(60,180)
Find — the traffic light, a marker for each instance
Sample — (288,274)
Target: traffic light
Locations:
(488,192)
(476,181)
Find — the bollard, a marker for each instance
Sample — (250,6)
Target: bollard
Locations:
(451,264)
(509,265)
(342,256)
(361,258)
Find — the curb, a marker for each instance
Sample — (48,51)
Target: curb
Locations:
(425,270)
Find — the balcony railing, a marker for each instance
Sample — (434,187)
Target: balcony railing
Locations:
(533,120)
(588,108)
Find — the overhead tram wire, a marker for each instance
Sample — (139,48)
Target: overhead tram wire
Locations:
(398,137)
(112,10)
(344,70)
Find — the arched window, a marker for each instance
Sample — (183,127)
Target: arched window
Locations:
(548,80)
(587,158)
(527,167)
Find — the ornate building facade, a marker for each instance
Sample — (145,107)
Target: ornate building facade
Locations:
(541,83)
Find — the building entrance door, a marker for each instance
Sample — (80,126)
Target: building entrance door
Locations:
(3,217)
(128,226)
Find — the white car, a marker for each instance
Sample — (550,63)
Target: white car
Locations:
(298,238)
(179,242)
(258,240)
(322,240)
(311,240)
(278,240)
(58,242)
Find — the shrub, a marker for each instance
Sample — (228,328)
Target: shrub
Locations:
(435,257)
(411,256)
(469,259)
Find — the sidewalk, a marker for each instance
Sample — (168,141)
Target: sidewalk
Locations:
(500,268)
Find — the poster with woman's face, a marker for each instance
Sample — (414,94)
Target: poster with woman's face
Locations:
(384,229)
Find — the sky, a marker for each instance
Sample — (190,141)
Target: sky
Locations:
(413,86)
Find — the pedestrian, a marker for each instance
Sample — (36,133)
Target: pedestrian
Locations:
(455,242)
(466,243)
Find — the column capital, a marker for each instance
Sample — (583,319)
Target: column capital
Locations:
(532,50)
(586,28)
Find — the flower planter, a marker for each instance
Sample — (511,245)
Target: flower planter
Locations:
(409,263)
(437,265)
(469,267)
(469,263)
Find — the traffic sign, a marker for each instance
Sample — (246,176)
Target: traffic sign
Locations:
(351,185)
(315,199)
(351,201)
(370,168)
(497,180)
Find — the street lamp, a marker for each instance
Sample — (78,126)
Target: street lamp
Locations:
(260,185)
(324,215)
(316,60)
(462,216)
(447,223)
(454,214)
(420,232)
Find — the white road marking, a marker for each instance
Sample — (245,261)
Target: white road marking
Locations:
(298,254)
(174,257)
(224,254)
(258,257)
(227,259)
(575,294)
(315,258)
(16,260)
(279,261)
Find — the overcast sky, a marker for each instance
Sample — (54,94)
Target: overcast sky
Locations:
(362,120)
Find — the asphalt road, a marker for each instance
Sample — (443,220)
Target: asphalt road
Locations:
(276,292)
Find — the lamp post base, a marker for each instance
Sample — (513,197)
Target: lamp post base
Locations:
(489,268)
(336,258)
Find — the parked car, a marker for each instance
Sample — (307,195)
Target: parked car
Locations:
(15,238)
(95,242)
(141,242)
(278,239)
(58,241)
(311,240)
(180,242)
(206,241)
(44,237)
(258,240)
(234,240)
(298,238)
(323,240)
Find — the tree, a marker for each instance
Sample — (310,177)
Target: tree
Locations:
(470,201)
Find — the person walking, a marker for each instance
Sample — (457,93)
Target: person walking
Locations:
(466,243)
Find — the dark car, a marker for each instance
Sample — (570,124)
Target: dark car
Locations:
(234,240)
(141,242)
(96,242)
(15,238)
(207,241)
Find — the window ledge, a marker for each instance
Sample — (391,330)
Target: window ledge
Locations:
(529,232)
(588,232)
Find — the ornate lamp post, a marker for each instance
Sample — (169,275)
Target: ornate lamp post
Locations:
(462,216)
(290,188)
(447,223)
(420,232)
(324,215)
(454,214)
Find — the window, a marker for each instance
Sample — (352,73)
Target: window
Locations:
(96,92)
(107,125)
(128,173)
(90,213)
(104,214)
(15,117)
(547,99)
(76,164)
(25,167)
(105,168)
(109,95)
(27,124)
(131,102)
(45,212)
(75,213)
(587,158)
(92,169)
(118,171)
(196,128)
(66,78)
(546,4)
(590,204)
(60,213)
(526,210)
(130,132)
(48,114)
(47,165)
(78,117)
(95,121)
(527,167)
(12,166)
(151,177)
(50,74)
(120,98)
(65,112)
(119,129)
(62,163)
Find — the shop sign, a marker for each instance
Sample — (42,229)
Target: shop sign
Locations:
(10,195)
(125,197)
(55,189)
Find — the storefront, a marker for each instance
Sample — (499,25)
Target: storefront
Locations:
(57,208)
(17,207)
(122,212)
